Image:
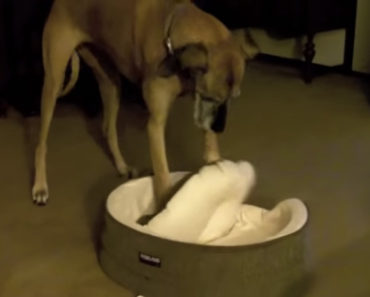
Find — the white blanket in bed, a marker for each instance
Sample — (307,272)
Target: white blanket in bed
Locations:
(207,205)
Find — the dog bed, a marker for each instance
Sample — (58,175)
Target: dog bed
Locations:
(207,242)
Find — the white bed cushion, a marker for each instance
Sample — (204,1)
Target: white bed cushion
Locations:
(256,225)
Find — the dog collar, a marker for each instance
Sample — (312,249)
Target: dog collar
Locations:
(168,26)
(168,44)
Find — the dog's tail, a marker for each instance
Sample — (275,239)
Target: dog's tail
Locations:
(75,69)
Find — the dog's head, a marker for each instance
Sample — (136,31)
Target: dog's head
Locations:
(215,71)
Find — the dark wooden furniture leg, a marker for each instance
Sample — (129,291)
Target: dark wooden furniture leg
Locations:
(2,108)
(309,53)
(350,36)
(5,69)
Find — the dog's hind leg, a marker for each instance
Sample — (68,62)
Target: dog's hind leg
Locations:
(59,43)
(109,85)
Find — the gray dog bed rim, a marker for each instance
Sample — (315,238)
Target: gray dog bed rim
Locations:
(269,269)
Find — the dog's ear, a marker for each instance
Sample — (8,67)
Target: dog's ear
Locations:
(193,59)
(246,43)
(169,66)
(190,60)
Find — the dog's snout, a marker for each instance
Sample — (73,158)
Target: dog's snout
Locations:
(219,121)
(210,114)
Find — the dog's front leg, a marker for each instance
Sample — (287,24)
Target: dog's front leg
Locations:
(162,183)
(211,148)
(159,94)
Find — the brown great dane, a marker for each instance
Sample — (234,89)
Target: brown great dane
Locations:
(169,47)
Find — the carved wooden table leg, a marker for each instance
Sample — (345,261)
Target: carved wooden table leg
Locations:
(309,53)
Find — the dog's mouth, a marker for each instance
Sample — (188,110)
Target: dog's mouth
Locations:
(210,114)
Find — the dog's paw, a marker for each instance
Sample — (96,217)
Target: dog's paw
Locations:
(122,168)
(40,196)
(132,172)
(214,161)
(128,172)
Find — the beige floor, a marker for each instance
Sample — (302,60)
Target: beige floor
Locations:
(306,141)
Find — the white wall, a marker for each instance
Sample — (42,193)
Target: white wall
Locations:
(329,46)
(361,59)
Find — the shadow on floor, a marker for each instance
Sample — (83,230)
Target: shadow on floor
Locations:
(95,205)
(31,132)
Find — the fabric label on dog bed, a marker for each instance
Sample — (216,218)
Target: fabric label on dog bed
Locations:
(149,260)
